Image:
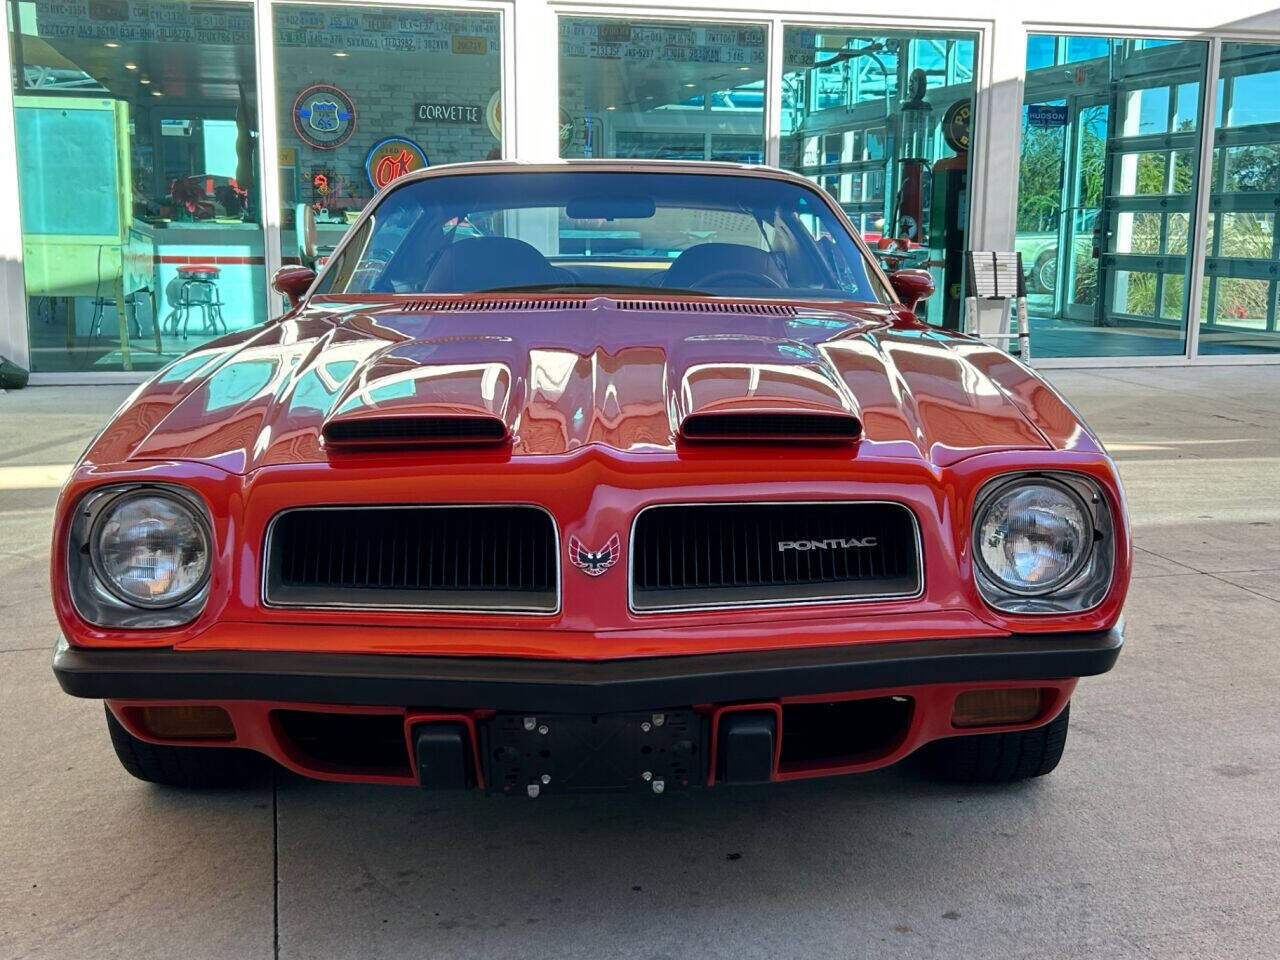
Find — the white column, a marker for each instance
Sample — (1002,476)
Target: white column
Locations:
(13,297)
(268,146)
(533,107)
(774,67)
(1204,186)
(998,137)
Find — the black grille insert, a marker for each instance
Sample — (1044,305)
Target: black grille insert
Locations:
(711,555)
(779,427)
(501,558)
(414,431)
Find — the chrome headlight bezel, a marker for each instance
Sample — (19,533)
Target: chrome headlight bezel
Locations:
(1086,582)
(95,597)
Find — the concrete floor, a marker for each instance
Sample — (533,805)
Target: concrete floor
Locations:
(1157,837)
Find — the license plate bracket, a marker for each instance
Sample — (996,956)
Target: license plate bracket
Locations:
(652,752)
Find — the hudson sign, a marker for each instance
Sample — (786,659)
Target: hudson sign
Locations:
(448,113)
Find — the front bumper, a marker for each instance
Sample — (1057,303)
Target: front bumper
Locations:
(567,686)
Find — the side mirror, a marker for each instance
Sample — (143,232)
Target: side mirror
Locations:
(293,282)
(911,286)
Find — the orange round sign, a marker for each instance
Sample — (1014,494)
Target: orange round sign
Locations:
(392,158)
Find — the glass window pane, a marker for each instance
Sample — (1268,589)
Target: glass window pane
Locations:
(1255,99)
(1134,293)
(644,88)
(1248,235)
(1147,111)
(1171,299)
(1109,166)
(369,93)
(1242,303)
(1087,48)
(1178,233)
(1253,167)
(1138,232)
(881,121)
(1041,51)
(139,183)
(1187,116)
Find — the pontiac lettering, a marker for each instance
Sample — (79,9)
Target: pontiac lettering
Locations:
(832,543)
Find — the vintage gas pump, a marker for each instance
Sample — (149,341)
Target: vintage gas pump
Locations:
(915,127)
(949,212)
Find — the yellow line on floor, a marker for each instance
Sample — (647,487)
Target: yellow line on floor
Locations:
(44,476)
(1168,444)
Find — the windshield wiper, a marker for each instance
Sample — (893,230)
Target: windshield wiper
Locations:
(596,288)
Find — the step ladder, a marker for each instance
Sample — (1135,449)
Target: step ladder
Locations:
(996,307)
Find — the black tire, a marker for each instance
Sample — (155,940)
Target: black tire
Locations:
(185,766)
(1000,757)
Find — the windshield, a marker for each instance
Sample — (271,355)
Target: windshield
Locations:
(577,231)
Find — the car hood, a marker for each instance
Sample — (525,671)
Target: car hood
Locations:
(569,373)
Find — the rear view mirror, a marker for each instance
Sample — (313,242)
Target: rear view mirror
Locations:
(610,208)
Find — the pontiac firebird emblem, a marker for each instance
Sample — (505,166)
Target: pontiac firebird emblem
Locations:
(594,562)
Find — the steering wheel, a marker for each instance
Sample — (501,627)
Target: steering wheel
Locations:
(752,279)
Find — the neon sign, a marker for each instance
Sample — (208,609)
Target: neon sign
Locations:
(392,158)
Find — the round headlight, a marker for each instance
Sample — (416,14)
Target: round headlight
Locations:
(151,549)
(1033,536)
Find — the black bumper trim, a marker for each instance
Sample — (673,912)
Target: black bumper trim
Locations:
(574,686)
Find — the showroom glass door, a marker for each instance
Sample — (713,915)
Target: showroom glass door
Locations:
(1060,201)
(1081,222)
(1107,184)
(1239,307)
(1152,163)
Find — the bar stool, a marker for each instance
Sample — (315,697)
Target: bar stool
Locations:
(199,290)
(131,313)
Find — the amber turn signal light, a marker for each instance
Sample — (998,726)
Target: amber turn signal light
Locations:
(186,723)
(989,708)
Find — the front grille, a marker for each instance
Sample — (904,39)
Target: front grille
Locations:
(476,558)
(724,555)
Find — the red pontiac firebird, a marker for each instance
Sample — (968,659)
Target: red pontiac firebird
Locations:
(587,476)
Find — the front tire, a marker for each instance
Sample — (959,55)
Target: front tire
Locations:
(188,767)
(1000,757)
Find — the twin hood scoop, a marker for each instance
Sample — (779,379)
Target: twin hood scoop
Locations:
(606,372)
